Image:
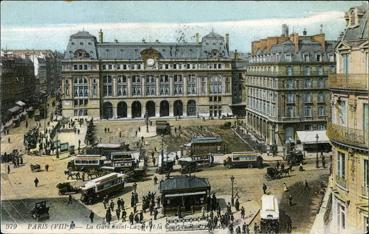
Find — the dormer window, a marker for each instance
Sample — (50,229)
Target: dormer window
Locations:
(72,43)
(89,43)
(353,18)
(81,43)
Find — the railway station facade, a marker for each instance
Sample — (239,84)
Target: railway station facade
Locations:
(124,80)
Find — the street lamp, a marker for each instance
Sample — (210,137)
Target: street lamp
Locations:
(317,159)
(232,198)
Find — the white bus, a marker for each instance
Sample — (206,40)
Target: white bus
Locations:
(87,161)
(96,189)
(269,214)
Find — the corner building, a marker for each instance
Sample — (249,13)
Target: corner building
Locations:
(348,128)
(125,80)
(286,85)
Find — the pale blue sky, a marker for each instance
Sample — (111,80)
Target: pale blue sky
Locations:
(48,25)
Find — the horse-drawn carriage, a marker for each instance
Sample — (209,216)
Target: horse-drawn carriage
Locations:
(68,187)
(274,173)
(35,167)
(40,211)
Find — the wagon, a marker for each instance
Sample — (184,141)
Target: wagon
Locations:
(35,167)
(40,211)
(272,173)
(68,187)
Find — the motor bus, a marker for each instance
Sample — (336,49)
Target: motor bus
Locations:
(269,214)
(244,159)
(95,190)
(86,161)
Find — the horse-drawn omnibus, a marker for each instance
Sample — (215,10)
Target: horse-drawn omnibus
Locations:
(96,189)
(122,161)
(244,159)
(86,162)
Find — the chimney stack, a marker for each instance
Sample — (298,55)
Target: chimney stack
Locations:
(197,35)
(227,41)
(101,36)
(284,30)
(235,55)
(304,33)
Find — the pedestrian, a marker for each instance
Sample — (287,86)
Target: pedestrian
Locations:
(237,205)
(256,228)
(229,208)
(264,188)
(155,179)
(290,199)
(278,164)
(158,201)
(242,212)
(8,169)
(124,215)
(131,218)
(150,224)
(47,167)
(36,181)
(155,213)
(153,161)
(120,134)
(306,185)
(117,211)
(112,205)
(108,216)
(83,176)
(323,160)
(238,230)
(119,204)
(69,199)
(285,188)
(203,212)
(9,140)
(72,225)
(282,166)
(141,216)
(139,129)
(91,216)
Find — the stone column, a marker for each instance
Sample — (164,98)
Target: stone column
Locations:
(185,85)
(129,86)
(171,86)
(171,107)
(114,93)
(157,80)
(129,110)
(143,81)
(184,109)
(114,111)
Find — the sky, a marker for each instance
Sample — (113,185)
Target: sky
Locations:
(48,24)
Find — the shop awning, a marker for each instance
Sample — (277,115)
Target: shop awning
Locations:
(14,109)
(309,137)
(185,194)
(20,103)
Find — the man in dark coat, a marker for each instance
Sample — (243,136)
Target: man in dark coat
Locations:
(36,181)
(91,216)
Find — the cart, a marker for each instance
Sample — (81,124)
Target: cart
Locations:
(272,173)
(40,211)
(35,167)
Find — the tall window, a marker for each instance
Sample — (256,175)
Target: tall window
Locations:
(307,83)
(107,86)
(366,172)
(365,118)
(228,84)
(307,98)
(341,170)
(191,84)
(321,97)
(290,98)
(66,87)
(136,86)
(178,85)
(289,84)
(321,83)
(320,70)
(203,85)
(341,217)
(345,65)
(150,85)
(122,89)
(290,111)
(307,111)
(307,71)
(94,87)
(342,113)
(164,85)
(321,111)
(80,87)
(215,85)
(289,71)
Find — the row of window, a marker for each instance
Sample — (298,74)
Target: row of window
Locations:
(308,111)
(279,57)
(289,83)
(306,70)
(165,66)
(307,98)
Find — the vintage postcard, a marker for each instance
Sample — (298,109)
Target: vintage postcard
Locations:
(184,117)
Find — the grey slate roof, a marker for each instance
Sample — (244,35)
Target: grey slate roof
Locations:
(211,45)
(357,35)
(183,182)
(206,139)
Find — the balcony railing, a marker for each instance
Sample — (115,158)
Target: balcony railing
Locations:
(347,135)
(364,191)
(341,181)
(349,81)
(286,73)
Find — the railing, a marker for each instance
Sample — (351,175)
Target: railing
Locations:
(347,135)
(285,73)
(341,181)
(349,81)
(364,191)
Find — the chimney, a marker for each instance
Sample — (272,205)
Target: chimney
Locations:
(321,28)
(197,35)
(284,30)
(101,36)
(115,40)
(227,41)
(304,32)
(235,55)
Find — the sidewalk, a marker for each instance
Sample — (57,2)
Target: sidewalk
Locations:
(319,226)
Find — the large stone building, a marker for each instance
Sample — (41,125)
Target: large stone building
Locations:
(47,68)
(114,80)
(348,129)
(17,83)
(286,85)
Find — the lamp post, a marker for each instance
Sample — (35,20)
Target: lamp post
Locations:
(232,198)
(57,144)
(162,150)
(317,159)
